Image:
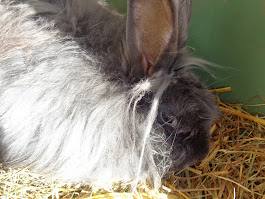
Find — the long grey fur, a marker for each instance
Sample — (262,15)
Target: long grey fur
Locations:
(68,104)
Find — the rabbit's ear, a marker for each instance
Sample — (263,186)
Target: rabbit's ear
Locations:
(153,32)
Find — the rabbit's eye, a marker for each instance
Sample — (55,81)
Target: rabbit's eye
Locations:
(168,119)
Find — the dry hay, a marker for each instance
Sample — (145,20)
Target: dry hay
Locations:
(235,165)
(234,168)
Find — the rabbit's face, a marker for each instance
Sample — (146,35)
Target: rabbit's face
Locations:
(186,113)
(156,34)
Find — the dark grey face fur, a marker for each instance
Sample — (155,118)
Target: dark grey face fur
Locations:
(186,113)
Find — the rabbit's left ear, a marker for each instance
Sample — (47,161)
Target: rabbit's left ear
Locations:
(152,32)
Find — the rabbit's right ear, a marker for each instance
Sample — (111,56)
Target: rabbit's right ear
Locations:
(155,29)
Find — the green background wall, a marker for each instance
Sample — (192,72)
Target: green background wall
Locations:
(230,33)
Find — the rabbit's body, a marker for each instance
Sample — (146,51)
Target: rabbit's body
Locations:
(72,105)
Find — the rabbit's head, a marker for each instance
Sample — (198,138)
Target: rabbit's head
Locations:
(156,38)
(186,112)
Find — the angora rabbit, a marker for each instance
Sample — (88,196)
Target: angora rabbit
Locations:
(86,95)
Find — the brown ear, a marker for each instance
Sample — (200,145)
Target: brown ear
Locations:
(151,31)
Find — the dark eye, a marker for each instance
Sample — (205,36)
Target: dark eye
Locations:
(168,119)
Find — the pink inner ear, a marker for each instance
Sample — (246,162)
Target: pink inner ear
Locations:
(154,25)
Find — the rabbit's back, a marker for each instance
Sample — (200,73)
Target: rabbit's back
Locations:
(38,71)
(93,26)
